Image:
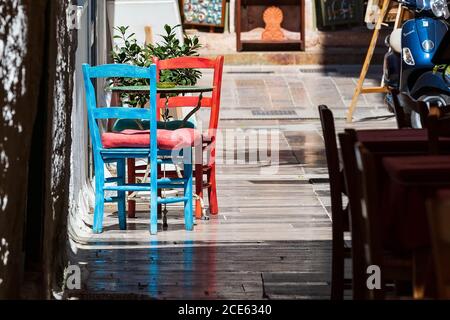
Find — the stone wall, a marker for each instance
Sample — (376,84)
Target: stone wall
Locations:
(36,68)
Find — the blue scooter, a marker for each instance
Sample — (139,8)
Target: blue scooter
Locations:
(408,65)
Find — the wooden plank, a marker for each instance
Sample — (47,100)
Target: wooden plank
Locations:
(366,65)
(375,90)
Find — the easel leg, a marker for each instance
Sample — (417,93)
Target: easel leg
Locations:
(369,56)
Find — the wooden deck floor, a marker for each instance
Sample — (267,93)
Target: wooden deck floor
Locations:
(271,240)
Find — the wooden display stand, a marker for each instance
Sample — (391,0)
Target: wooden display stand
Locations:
(249,15)
(360,89)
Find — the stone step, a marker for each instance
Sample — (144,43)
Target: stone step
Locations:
(326,56)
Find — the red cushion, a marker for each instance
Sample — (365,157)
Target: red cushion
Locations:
(167,139)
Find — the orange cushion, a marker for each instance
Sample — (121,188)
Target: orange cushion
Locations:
(167,139)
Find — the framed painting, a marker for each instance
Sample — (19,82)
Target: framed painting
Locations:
(209,13)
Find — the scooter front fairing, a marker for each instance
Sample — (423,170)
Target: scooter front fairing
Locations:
(420,40)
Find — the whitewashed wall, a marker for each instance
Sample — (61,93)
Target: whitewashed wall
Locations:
(140,13)
(81,195)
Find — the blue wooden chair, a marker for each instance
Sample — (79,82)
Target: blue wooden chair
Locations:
(144,144)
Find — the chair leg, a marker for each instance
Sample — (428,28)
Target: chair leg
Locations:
(131,163)
(121,195)
(99,195)
(154,204)
(188,212)
(212,191)
(198,190)
(159,193)
(420,261)
(337,262)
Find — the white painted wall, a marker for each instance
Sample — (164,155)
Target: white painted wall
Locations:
(140,13)
(81,193)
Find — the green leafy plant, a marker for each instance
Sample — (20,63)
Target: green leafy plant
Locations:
(130,52)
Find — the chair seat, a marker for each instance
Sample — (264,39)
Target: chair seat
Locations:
(418,169)
(167,139)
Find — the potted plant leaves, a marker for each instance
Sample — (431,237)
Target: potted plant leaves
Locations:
(131,52)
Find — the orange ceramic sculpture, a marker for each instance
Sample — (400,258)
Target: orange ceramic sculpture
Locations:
(273,17)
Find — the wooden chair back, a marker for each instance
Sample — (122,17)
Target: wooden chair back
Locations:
(212,102)
(400,117)
(438,125)
(332,155)
(369,213)
(439,223)
(96,113)
(338,214)
(352,177)
(407,102)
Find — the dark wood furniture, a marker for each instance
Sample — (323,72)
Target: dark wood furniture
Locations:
(439,223)
(348,180)
(404,102)
(395,266)
(420,107)
(353,190)
(438,124)
(388,178)
(339,214)
(400,117)
(249,16)
(401,270)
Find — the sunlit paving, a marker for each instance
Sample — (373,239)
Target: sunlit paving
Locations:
(246,151)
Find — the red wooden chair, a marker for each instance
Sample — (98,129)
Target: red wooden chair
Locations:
(208,138)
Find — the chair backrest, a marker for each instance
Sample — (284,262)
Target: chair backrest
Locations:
(96,113)
(439,223)
(438,125)
(332,155)
(352,179)
(370,212)
(420,107)
(339,216)
(400,117)
(212,102)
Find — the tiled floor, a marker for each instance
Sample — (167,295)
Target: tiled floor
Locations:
(272,236)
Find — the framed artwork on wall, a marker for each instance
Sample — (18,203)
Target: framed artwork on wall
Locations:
(209,13)
(333,13)
(270,25)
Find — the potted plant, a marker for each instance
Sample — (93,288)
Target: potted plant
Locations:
(130,52)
